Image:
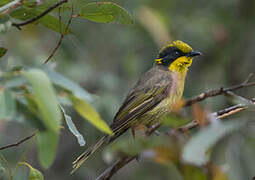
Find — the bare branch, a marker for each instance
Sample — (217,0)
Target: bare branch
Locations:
(19,142)
(62,35)
(217,92)
(109,172)
(18,25)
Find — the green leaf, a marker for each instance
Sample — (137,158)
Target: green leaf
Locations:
(193,173)
(47,142)
(5,173)
(34,174)
(195,151)
(48,20)
(7,104)
(73,128)
(4,2)
(27,112)
(67,84)
(89,113)
(45,98)
(174,121)
(2,51)
(105,12)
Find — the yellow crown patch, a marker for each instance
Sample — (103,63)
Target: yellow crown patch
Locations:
(180,45)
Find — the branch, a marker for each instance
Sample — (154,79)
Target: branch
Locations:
(109,172)
(62,35)
(18,25)
(19,142)
(219,91)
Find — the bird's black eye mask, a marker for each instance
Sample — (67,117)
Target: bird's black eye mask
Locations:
(168,55)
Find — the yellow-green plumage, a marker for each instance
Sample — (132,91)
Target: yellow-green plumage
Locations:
(153,95)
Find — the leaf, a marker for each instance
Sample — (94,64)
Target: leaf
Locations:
(72,128)
(48,20)
(195,151)
(105,12)
(34,174)
(4,174)
(7,104)
(45,98)
(86,111)
(67,84)
(193,173)
(47,142)
(27,112)
(2,51)
(174,121)
(52,23)
(3,2)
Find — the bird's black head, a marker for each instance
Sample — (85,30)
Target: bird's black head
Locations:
(176,56)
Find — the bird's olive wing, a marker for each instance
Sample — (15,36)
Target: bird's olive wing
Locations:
(136,104)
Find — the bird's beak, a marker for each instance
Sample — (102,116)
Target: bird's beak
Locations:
(194,53)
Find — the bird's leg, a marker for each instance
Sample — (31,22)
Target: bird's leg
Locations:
(156,132)
(133,132)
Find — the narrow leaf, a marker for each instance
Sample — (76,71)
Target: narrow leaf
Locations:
(7,104)
(67,84)
(45,98)
(86,111)
(106,12)
(73,128)
(195,151)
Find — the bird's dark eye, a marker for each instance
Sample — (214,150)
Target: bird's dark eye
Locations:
(177,53)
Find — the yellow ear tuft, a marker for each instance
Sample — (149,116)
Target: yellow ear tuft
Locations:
(159,60)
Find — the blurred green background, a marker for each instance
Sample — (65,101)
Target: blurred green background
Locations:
(107,59)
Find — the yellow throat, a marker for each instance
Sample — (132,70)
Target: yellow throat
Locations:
(177,56)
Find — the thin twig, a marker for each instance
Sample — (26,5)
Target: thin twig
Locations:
(19,142)
(18,25)
(61,37)
(238,97)
(217,92)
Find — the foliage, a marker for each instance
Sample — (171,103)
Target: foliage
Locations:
(105,59)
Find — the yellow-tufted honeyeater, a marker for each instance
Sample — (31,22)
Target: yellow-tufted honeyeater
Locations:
(152,96)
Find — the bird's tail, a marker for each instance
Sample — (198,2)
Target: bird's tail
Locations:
(84,156)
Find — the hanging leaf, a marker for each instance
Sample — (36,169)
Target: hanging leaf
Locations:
(47,142)
(73,128)
(89,113)
(105,12)
(195,151)
(45,98)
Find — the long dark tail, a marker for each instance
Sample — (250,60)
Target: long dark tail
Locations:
(84,156)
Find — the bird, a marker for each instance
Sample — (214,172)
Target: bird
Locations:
(152,97)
